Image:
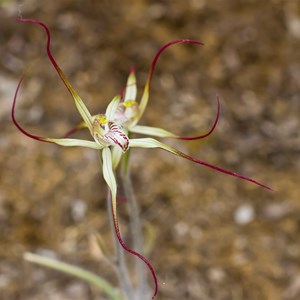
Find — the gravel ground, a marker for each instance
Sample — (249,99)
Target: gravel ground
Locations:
(215,237)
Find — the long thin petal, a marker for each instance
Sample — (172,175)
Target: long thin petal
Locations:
(110,179)
(153,131)
(131,90)
(145,96)
(152,143)
(82,109)
(74,143)
(112,107)
(62,142)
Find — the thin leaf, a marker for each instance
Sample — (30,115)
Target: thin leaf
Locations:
(89,277)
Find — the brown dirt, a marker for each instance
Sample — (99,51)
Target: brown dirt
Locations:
(204,247)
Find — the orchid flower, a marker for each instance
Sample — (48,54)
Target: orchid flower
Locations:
(129,112)
(110,132)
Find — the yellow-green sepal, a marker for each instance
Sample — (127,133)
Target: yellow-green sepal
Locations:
(109,177)
(74,143)
(154,131)
(82,109)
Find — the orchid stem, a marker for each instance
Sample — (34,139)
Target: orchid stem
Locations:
(135,227)
(123,274)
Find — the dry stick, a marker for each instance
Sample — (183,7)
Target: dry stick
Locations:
(123,273)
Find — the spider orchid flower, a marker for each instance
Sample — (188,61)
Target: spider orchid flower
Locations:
(129,112)
(110,131)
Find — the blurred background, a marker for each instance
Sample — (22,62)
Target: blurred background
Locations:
(213,236)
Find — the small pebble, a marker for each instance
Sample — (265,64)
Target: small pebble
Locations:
(244,214)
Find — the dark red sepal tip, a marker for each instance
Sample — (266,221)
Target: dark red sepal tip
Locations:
(186,138)
(32,136)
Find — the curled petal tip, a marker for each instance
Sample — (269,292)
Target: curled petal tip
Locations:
(145,95)
(210,131)
(21,19)
(21,129)
(201,162)
(190,41)
(164,47)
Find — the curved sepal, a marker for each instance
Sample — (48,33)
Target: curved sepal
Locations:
(109,176)
(152,143)
(187,138)
(159,132)
(61,142)
(82,109)
(145,96)
(16,123)
(74,143)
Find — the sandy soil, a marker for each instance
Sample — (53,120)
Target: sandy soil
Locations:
(215,237)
